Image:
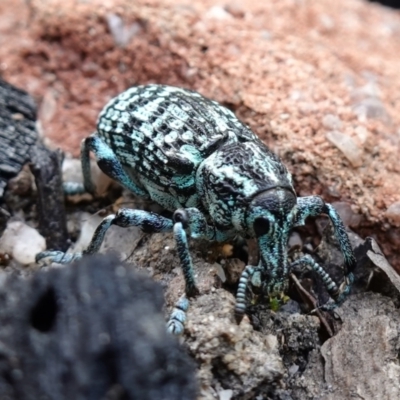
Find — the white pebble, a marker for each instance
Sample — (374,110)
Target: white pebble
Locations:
(225,394)
(331,122)
(347,146)
(217,12)
(393,212)
(362,134)
(22,242)
(89,225)
(370,108)
(72,172)
(220,272)
(120,32)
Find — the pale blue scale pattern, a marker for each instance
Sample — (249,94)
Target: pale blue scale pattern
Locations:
(162,134)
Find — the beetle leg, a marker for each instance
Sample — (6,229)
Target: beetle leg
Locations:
(333,290)
(185,258)
(339,294)
(177,320)
(245,278)
(125,217)
(107,162)
(314,206)
(72,188)
(194,220)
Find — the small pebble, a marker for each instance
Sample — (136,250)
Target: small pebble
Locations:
(347,146)
(217,12)
(120,32)
(295,240)
(22,242)
(220,272)
(331,122)
(225,394)
(72,172)
(293,369)
(89,225)
(371,107)
(348,216)
(393,212)
(362,133)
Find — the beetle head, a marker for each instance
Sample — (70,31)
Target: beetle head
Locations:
(270,217)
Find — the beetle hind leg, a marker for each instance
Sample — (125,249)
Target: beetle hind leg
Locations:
(108,162)
(73,188)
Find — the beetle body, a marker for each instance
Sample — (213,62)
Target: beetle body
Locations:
(196,159)
(161,135)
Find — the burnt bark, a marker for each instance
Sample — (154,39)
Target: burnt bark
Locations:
(46,167)
(17,131)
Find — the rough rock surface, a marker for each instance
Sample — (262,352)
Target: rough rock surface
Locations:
(317,81)
(370,371)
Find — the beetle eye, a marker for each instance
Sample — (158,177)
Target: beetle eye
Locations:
(261,226)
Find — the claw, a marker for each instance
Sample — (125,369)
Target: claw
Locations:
(58,257)
(177,320)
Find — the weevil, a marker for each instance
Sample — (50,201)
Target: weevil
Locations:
(193,157)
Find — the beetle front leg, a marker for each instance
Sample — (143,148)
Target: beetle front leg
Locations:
(194,219)
(147,221)
(245,279)
(314,206)
(337,293)
(107,162)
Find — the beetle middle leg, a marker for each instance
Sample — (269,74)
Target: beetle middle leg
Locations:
(148,222)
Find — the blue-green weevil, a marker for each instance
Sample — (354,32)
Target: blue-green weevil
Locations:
(193,157)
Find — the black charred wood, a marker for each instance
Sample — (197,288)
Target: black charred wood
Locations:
(93,330)
(17,131)
(46,168)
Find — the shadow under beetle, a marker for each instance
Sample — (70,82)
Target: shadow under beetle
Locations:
(196,159)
